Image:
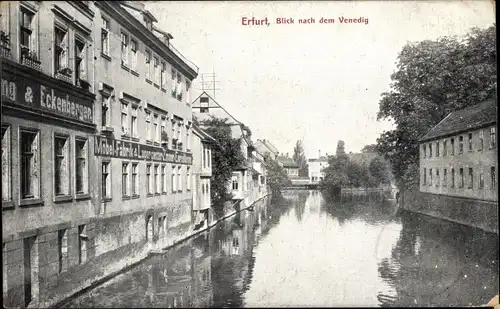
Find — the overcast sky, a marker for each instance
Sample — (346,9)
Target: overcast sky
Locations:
(315,82)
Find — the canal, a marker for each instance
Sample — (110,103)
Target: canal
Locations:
(305,251)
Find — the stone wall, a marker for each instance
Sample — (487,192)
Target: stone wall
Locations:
(475,213)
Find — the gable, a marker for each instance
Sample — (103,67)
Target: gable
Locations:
(205,106)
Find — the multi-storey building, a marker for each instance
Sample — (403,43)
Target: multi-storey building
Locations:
(265,147)
(291,167)
(202,172)
(458,157)
(49,190)
(315,168)
(96,139)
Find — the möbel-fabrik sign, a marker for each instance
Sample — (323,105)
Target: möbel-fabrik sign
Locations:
(24,91)
(109,147)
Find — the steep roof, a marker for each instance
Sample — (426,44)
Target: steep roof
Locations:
(202,134)
(270,146)
(288,162)
(196,103)
(470,118)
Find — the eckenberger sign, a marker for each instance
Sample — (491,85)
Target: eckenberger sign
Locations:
(109,147)
(24,91)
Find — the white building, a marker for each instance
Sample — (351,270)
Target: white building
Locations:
(316,167)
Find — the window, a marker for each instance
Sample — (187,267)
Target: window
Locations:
(424,150)
(60,49)
(125,183)
(26,31)
(481,140)
(234,180)
(148,126)
(493,177)
(430,150)
(437,149)
(105,115)
(452,146)
(6,164)
(133,127)
(493,138)
(179,87)
(188,93)
(81,173)
(155,129)
(424,179)
(124,50)
(174,181)
(188,178)
(106,180)
(460,144)
(471,178)
(445,178)
(438,179)
(481,180)
(157,179)
(209,157)
(62,241)
(461,175)
(82,244)
(445,148)
(470,141)
(163,188)
(157,70)
(163,75)
(452,178)
(134,47)
(125,119)
(179,179)
(105,37)
(163,131)
(61,165)
(188,139)
(204,105)
(80,61)
(174,84)
(430,177)
(135,179)
(148,65)
(165,179)
(148,179)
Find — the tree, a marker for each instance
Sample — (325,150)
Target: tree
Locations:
(380,170)
(369,148)
(300,158)
(276,175)
(340,148)
(226,157)
(433,78)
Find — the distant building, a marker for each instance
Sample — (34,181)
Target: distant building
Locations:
(265,147)
(316,166)
(458,157)
(291,168)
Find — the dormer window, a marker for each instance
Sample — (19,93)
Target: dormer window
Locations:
(149,25)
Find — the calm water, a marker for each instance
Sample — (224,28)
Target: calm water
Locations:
(304,251)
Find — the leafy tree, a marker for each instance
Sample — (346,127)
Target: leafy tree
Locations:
(340,148)
(369,148)
(380,170)
(300,158)
(226,157)
(433,78)
(276,175)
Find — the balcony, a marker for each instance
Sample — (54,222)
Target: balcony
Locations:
(29,58)
(5,52)
(65,75)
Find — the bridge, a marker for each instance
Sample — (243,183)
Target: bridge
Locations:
(303,183)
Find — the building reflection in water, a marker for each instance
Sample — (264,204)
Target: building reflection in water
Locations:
(434,262)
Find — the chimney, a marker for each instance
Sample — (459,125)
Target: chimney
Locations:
(319,153)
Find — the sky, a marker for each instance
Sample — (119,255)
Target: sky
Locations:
(319,82)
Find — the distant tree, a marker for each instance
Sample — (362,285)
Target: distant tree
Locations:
(226,157)
(276,175)
(300,158)
(380,170)
(433,78)
(369,148)
(340,148)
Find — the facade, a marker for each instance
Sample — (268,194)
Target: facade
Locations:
(291,168)
(202,172)
(316,167)
(96,144)
(49,191)
(458,157)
